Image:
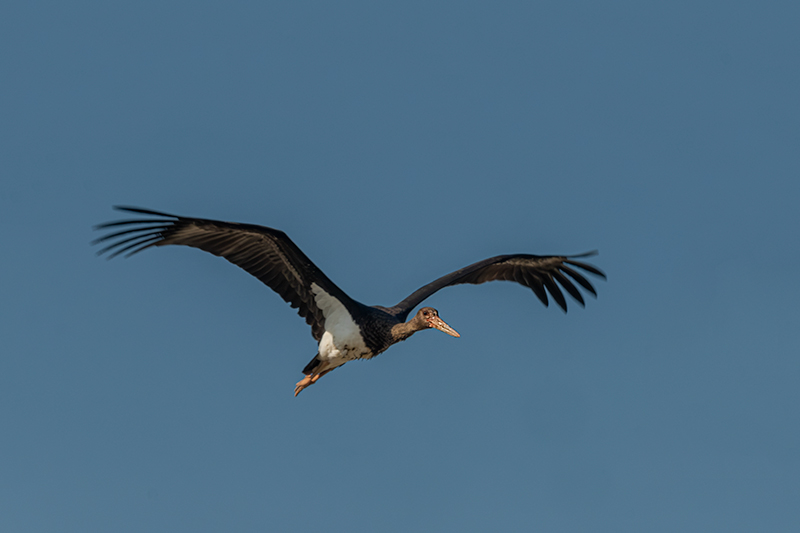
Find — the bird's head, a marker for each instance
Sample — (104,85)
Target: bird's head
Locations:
(428,317)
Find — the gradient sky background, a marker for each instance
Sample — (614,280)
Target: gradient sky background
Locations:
(395,142)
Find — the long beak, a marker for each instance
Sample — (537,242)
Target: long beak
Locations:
(439,324)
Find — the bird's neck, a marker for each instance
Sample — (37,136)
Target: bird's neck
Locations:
(404,330)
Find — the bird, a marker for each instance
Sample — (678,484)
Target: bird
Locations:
(344,328)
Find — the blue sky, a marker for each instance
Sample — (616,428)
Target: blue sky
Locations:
(395,142)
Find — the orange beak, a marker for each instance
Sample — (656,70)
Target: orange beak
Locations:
(439,324)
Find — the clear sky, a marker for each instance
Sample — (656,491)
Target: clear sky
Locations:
(395,142)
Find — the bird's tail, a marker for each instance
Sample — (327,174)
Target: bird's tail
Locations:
(312,365)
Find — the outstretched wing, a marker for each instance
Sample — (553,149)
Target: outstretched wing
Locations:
(266,253)
(538,272)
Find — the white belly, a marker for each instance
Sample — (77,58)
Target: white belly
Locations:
(342,340)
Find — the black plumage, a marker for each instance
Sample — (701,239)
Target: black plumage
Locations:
(269,255)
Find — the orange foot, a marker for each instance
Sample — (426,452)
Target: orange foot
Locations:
(302,384)
(307,382)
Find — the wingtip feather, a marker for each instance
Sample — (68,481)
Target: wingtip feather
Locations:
(131,209)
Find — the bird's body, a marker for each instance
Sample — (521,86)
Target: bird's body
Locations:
(343,339)
(345,329)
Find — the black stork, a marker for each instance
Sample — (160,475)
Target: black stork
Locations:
(345,329)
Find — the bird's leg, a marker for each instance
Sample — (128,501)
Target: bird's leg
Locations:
(315,377)
(309,380)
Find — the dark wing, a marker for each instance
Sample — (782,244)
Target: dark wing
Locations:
(266,253)
(538,272)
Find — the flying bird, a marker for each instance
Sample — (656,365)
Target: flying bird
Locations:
(345,329)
